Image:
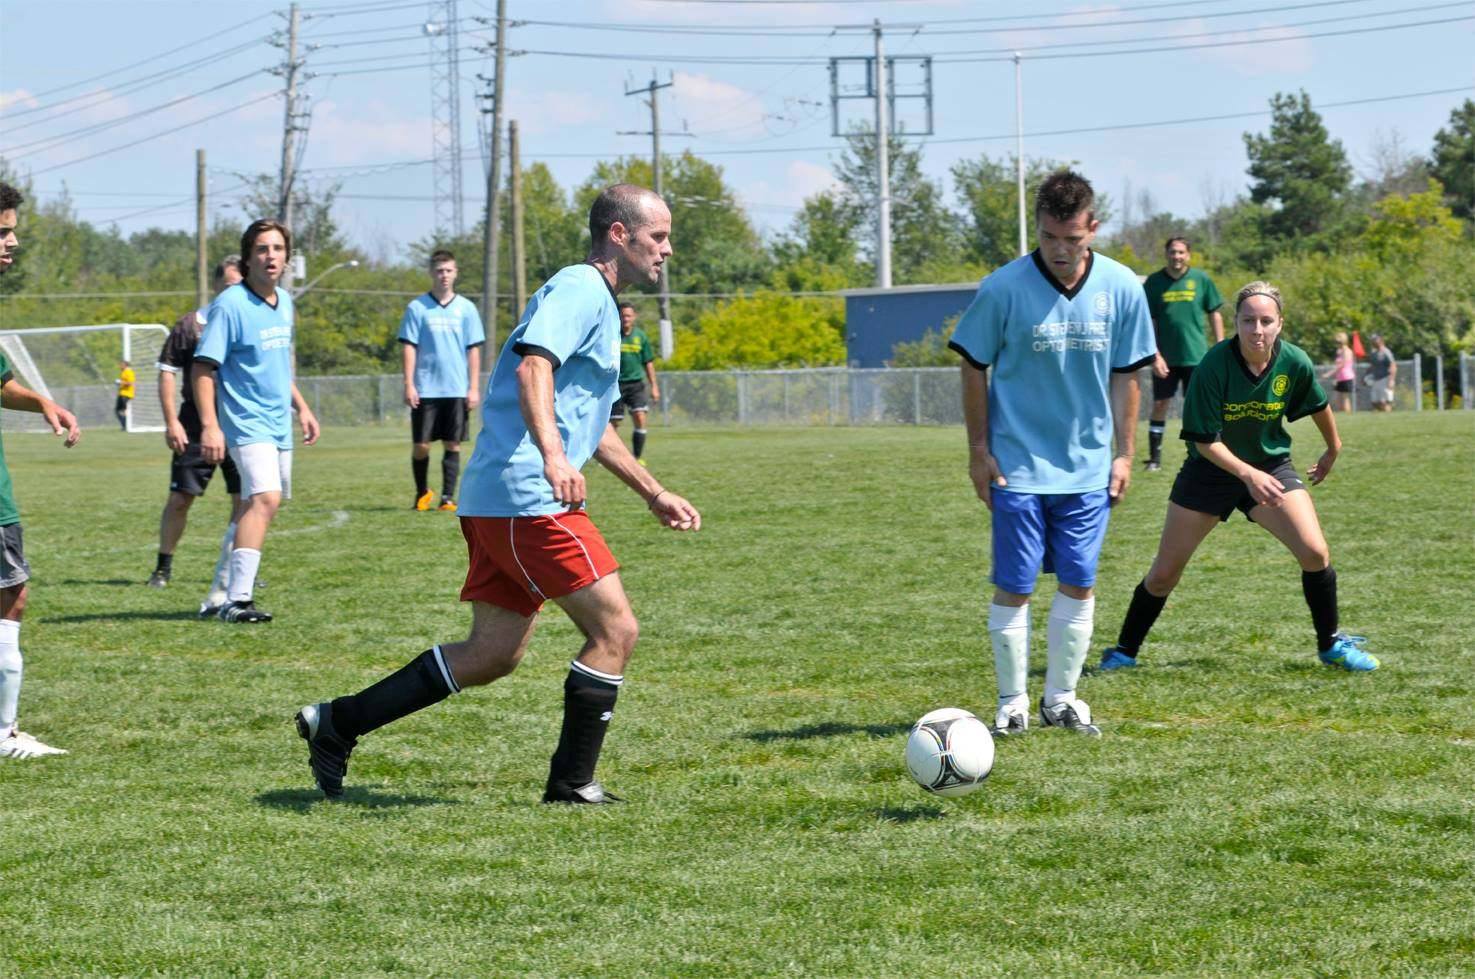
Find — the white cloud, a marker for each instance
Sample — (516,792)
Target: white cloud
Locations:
(1279,50)
(17,98)
(371,133)
(544,111)
(716,109)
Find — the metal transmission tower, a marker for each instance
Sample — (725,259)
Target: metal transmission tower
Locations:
(445,114)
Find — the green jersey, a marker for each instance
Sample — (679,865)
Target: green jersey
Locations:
(1226,402)
(635,353)
(8,512)
(1179,309)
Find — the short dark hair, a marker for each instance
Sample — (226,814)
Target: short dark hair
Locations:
(10,198)
(1064,194)
(1169,243)
(622,203)
(256,229)
(228,262)
(440,255)
(626,305)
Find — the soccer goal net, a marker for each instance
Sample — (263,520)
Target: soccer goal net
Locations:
(78,367)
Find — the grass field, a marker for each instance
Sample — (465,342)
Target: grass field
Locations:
(1247,811)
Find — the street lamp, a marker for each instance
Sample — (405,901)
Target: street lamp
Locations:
(352,263)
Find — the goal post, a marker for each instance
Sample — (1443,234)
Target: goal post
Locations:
(77,367)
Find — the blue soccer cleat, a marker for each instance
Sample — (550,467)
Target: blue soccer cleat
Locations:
(1114,659)
(1346,651)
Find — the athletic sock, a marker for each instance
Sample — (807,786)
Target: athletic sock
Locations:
(1155,431)
(421,468)
(1141,615)
(243,564)
(1069,640)
(1320,589)
(450,471)
(166,564)
(220,584)
(1008,629)
(423,681)
(11,666)
(637,442)
(588,704)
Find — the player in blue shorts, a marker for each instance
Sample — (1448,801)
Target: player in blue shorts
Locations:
(441,336)
(1051,345)
(528,538)
(245,353)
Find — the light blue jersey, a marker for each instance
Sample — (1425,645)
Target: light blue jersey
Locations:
(574,322)
(1051,353)
(441,335)
(251,342)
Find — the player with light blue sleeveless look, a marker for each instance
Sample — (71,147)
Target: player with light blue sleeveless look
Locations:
(1051,345)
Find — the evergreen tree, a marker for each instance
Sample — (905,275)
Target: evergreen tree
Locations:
(1454,160)
(1299,169)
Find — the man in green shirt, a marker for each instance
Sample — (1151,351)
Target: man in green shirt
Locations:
(1180,300)
(637,367)
(14,571)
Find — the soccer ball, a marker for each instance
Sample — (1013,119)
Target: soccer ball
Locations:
(950,752)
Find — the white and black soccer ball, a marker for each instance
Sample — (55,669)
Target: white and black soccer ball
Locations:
(950,752)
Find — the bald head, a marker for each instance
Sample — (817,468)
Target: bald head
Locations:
(627,204)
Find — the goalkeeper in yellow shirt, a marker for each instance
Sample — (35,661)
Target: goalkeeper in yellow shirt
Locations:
(125,383)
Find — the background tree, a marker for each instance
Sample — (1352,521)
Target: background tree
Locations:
(1454,160)
(988,190)
(1299,169)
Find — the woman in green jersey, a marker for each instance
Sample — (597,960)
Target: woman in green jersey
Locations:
(1239,458)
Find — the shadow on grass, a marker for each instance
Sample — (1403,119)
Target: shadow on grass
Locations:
(179,615)
(908,814)
(304,800)
(829,729)
(99,581)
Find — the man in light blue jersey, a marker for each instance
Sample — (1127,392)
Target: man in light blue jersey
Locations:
(1051,345)
(245,355)
(441,337)
(529,539)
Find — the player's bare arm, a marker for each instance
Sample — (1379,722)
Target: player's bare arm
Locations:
(473,372)
(1216,322)
(174,435)
(310,427)
(535,398)
(407,360)
(1326,423)
(670,509)
(17,397)
(1126,397)
(212,439)
(650,375)
(983,468)
(1264,487)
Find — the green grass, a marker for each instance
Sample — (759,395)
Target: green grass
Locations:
(1247,811)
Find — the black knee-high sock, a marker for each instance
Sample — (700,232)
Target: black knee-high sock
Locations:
(450,471)
(423,681)
(421,468)
(1320,589)
(588,704)
(166,564)
(1155,430)
(1141,614)
(637,442)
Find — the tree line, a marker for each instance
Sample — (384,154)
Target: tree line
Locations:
(1390,251)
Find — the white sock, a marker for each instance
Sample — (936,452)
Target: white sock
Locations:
(221,583)
(10,673)
(1071,622)
(1008,628)
(243,564)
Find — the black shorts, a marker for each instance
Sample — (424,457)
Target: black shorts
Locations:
(1344,386)
(1164,388)
(14,570)
(121,405)
(439,420)
(1205,488)
(190,474)
(633,395)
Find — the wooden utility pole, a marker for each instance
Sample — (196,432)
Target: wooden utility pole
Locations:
(883,167)
(202,260)
(664,300)
(519,252)
(289,132)
(490,228)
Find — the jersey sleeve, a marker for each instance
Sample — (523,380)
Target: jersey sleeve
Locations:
(1203,405)
(979,335)
(1307,395)
(221,326)
(646,353)
(409,326)
(563,319)
(475,333)
(6,374)
(1212,299)
(1133,340)
(178,349)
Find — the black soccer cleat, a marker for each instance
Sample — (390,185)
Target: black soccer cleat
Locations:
(592,794)
(327,752)
(242,612)
(159,579)
(1073,715)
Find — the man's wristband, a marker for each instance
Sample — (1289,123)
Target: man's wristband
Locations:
(652,504)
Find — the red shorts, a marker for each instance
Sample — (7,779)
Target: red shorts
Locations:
(517,563)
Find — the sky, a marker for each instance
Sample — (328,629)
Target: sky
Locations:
(1143,95)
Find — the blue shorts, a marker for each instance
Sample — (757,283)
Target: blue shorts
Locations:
(1061,531)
